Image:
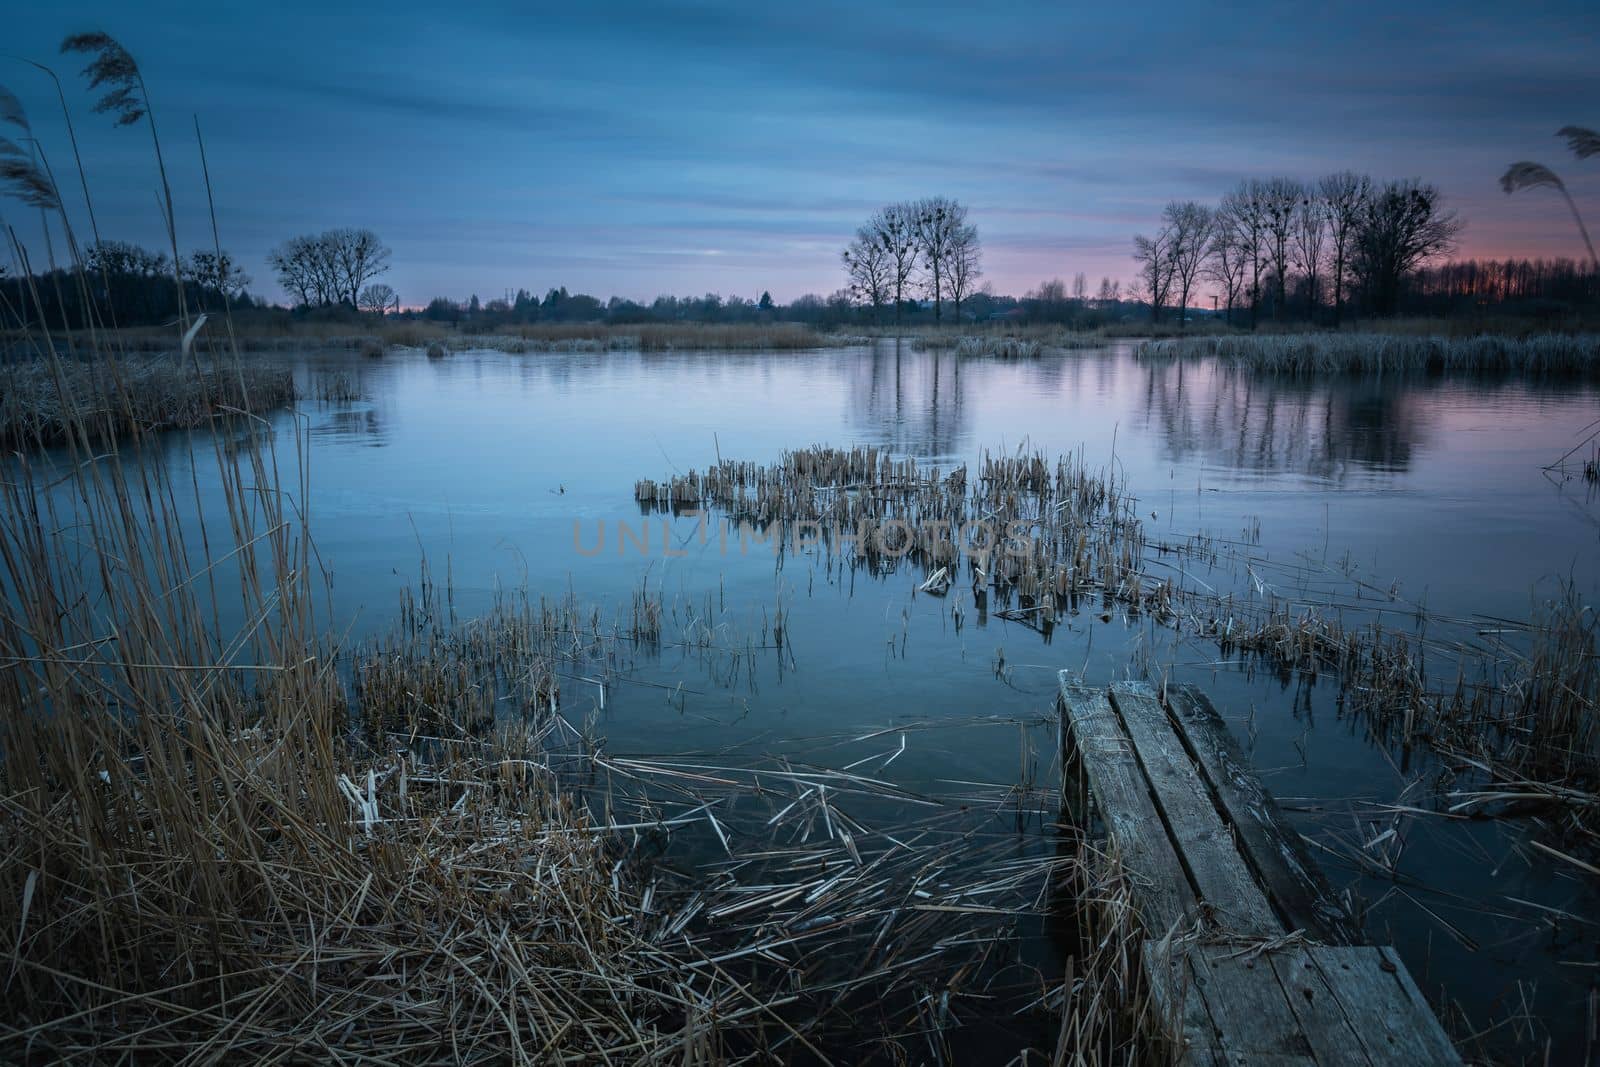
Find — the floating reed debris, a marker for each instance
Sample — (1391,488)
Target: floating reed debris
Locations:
(1542,355)
(45,401)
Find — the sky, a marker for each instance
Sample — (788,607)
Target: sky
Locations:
(643,148)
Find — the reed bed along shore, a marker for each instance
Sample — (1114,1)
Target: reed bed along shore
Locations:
(45,401)
(1538,356)
(243,840)
(253,334)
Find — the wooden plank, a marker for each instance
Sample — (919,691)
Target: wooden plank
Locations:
(1122,798)
(1384,1006)
(1225,885)
(1247,1002)
(1334,1037)
(1274,849)
(1178,1004)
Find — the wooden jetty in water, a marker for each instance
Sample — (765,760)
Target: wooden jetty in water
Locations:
(1248,953)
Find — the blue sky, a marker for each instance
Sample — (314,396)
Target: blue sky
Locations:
(646,148)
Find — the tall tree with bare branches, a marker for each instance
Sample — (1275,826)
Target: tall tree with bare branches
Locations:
(1403,226)
(869,268)
(1249,226)
(1188,225)
(1310,234)
(1344,197)
(1228,257)
(893,228)
(935,222)
(1154,256)
(1279,198)
(964,265)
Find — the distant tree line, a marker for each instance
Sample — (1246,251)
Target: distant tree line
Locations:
(1289,248)
(125,284)
(914,248)
(1529,286)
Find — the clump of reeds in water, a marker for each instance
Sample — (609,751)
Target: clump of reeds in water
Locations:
(1543,355)
(998,347)
(46,400)
(1591,467)
(992,345)
(1045,534)
(336,387)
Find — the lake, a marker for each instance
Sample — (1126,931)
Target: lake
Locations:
(1400,497)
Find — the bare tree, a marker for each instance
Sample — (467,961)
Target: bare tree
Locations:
(892,228)
(869,268)
(1278,199)
(1248,217)
(1154,255)
(1189,226)
(1310,233)
(1228,259)
(1344,196)
(358,257)
(378,298)
(216,271)
(330,267)
(935,221)
(305,271)
(964,265)
(1403,225)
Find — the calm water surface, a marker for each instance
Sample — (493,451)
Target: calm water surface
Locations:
(1428,490)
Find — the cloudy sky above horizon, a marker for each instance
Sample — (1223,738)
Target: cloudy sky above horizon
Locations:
(637,149)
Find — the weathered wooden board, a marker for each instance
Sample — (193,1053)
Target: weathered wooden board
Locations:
(1385,1007)
(1325,1005)
(1121,795)
(1211,856)
(1295,886)
(1226,888)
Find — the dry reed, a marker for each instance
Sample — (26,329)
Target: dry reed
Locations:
(1544,355)
(44,402)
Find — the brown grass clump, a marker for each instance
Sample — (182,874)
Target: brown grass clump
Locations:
(1536,356)
(43,402)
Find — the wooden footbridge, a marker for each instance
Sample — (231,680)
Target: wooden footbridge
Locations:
(1247,952)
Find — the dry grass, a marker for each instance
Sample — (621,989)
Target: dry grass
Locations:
(245,841)
(1543,355)
(649,337)
(43,402)
(261,334)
